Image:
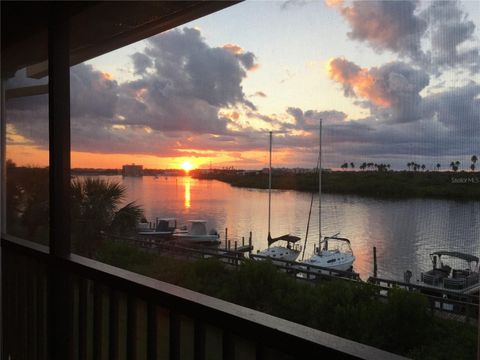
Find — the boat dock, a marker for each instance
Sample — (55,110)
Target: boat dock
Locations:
(444,303)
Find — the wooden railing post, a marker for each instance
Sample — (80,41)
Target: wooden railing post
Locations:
(59,295)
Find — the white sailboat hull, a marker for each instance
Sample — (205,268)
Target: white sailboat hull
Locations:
(331,260)
(280,253)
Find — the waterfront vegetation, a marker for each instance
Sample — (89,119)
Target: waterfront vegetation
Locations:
(403,324)
(383,184)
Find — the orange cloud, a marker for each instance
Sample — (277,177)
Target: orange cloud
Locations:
(232,115)
(357,81)
(233,48)
(106,76)
(334,3)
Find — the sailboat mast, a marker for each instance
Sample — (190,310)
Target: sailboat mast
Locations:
(320,186)
(270,186)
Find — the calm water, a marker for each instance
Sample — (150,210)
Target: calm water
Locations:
(404,231)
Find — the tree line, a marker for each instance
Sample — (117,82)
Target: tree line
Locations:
(411,166)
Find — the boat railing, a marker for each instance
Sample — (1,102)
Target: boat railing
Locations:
(433,279)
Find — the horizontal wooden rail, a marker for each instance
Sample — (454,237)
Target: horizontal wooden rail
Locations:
(291,339)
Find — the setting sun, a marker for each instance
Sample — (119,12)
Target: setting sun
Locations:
(187,166)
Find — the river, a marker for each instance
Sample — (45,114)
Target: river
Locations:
(404,232)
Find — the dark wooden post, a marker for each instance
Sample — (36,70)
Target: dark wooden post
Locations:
(374,261)
(59,296)
(59,132)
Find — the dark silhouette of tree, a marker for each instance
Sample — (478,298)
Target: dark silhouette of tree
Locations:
(363,166)
(352,165)
(423,167)
(455,165)
(344,166)
(438,166)
(474,161)
(96,210)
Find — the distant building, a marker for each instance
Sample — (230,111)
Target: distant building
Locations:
(132,170)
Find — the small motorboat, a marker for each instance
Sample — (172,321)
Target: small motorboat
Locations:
(197,234)
(333,253)
(462,275)
(164,228)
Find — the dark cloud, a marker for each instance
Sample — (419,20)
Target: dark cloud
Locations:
(181,86)
(141,63)
(392,89)
(186,66)
(450,30)
(260,94)
(292,4)
(457,109)
(389,25)
(92,93)
(400,27)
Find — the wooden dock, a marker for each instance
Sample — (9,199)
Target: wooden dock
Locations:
(444,303)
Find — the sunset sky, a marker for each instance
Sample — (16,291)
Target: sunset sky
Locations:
(393,81)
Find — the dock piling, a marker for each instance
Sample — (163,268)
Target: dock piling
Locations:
(250,244)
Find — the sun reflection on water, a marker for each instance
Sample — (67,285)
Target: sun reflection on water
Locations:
(187,202)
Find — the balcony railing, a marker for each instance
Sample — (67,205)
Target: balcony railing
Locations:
(110,313)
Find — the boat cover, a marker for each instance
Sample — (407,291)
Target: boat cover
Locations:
(287,237)
(466,257)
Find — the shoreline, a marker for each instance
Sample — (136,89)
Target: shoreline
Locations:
(463,186)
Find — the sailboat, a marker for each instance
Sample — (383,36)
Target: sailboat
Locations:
(289,252)
(332,252)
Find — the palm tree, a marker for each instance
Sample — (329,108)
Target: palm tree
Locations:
(352,165)
(438,166)
(423,167)
(474,161)
(96,210)
(457,164)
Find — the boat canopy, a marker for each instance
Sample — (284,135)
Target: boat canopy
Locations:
(459,255)
(327,238)
(288,238)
